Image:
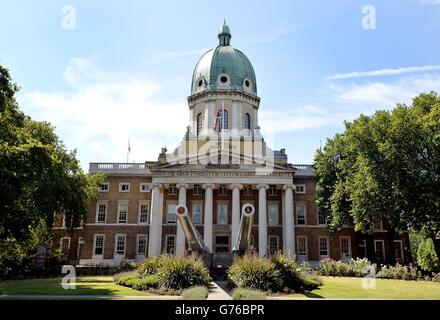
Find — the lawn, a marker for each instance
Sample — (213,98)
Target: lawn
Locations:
(338,287)
(99,286)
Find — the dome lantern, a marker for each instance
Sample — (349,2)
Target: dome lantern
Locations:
(224,35)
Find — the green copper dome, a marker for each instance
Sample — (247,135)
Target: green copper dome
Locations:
(224,68)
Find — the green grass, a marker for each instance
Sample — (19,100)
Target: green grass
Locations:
(339,287)
(96,285)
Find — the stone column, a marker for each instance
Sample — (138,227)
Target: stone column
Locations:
(207,223)
(289,222)
(155,236)
(262,220)
(235,212)
(180,236)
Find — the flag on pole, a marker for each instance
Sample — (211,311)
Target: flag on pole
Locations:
(128,149)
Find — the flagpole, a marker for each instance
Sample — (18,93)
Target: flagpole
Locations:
(128,150)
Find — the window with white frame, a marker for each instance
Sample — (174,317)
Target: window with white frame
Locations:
(142,245)
(274,244)
(104,187)
(301,214)
(98,249)
(272,191)
(323,247)
(272,214)
(222,213)
(379,250)
(120,244)
(378,225)
(171,213)
(65,247)
(170,241)
(301,247)
(144,211)
(124,187)
(322,218)
(222,191)
(300,188)
(101,212)
(172,190)
(122,211)
(197,213)
(144,187)
(247,191)
(398,250)
(197,190)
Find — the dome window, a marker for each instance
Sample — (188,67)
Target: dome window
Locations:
(247,121)
(247,83)
(224,79)
(200,83)
(199,123)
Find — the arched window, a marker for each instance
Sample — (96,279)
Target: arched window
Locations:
(199,123)
(247,121)
(224,120)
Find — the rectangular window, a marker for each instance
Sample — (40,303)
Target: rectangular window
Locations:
(247,191)
(65,247)
(170,241)
(301,214)
(323,247)
(124,187)
(171,216)
(322,219)
(378,226)
(222,191)
(274,245)
(398,251)
(222,213)
(379,250)
(120,244)
(172,190)
(197,213)
(273,214)
(104,187)
(99,245)
(300,188)
(101,212)
(122,211)
(272,191)
(142,245)
(363,249)
(345,247)
(144,187)
(144,211)
(197,190)
(301,246)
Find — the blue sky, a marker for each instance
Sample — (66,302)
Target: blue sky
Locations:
(125,70)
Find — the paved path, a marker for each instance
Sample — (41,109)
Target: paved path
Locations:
(219,291)
(86,297)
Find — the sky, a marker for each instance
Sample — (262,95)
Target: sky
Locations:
(103,72)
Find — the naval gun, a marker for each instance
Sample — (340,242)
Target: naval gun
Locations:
(193,237)
(243,237)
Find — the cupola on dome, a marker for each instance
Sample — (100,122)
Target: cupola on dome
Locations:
(224,68)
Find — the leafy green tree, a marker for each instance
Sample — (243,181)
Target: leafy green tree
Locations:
(385,167)
(426,256)
(38,176)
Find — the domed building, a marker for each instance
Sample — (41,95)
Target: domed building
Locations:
(232,192)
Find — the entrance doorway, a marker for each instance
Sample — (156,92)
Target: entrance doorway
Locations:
(222,243)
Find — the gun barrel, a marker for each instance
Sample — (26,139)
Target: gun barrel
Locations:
(243,238)
(193,237)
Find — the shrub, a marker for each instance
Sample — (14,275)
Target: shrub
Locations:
(150,266)
(289,272)
(248,294)
(195,293)
(399,272)
(354,268)
(310,284)
(124,280)
(182,272)
(435,277)
(255,273)
(119,275)
(426,257)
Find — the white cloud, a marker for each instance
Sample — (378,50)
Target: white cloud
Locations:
(104,109)
(384,72)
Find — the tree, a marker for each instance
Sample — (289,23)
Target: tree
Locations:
(385,167)
(38,175)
